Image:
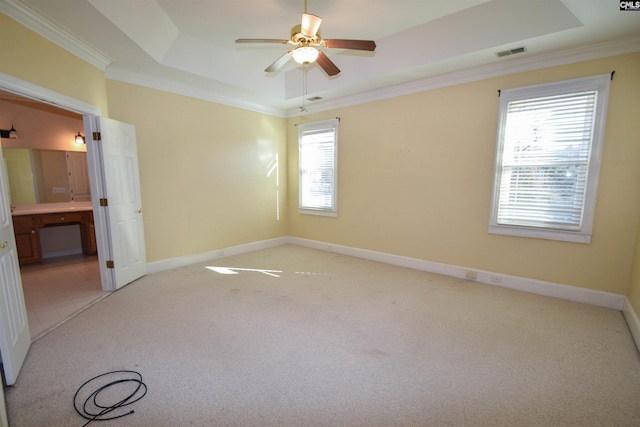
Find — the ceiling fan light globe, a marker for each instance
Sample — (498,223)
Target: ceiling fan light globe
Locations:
(305,54)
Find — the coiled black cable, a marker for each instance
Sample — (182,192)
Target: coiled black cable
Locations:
(93,410)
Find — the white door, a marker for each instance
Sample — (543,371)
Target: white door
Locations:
(121,210)
(15,337)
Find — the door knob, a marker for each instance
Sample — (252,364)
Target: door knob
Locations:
(4,245)
(139,210)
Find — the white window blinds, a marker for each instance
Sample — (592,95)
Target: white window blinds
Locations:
(546,171)
(317,167)
(545,161)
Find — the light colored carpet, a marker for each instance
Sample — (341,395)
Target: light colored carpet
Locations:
(336,341)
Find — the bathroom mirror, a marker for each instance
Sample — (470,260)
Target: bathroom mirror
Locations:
(46,176)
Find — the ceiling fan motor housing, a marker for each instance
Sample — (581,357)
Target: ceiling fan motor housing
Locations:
(298,38)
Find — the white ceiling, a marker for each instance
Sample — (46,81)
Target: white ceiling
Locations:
(188,46)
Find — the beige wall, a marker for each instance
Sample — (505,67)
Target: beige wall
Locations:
(415,177)
(203,171)
(29,57)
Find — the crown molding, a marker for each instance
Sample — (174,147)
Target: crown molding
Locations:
(50,31)
(483,72)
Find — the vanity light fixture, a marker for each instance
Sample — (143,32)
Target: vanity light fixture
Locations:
(11,134)
(80,139)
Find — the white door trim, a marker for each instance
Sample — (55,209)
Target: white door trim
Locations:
(30,90)
(100,220)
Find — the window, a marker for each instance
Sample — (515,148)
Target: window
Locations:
(548,159)
(317,150)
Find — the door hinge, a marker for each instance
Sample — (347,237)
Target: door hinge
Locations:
(104,202)
(96,136)
(110,264)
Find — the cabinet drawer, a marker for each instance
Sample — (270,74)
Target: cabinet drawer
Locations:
(61,218)
(22,221)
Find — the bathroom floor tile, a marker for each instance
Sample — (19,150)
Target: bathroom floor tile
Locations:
(58,288)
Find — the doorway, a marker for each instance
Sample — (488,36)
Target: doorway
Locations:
(66,281)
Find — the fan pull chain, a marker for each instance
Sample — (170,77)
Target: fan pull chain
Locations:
(304,87)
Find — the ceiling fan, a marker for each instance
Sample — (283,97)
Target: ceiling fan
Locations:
(306,39)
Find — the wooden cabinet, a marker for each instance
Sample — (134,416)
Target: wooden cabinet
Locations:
(66,218)
(27,232)
(88,235)
(27,239)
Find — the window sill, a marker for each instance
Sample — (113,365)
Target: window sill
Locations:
(541,233)
(318,212)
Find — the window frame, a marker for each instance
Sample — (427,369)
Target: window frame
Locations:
(331,211)
(598,83)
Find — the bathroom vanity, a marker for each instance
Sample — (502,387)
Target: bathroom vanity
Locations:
(28,220)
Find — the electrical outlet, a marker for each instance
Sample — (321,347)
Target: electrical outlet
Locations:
(471,275)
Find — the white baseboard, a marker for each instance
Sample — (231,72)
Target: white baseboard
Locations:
(556,290)
(171,263)
(633,321)
(566,292)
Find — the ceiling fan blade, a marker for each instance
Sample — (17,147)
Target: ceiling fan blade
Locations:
(310,24)
(369,45)
(262,41)
(326,64)
(279,63)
